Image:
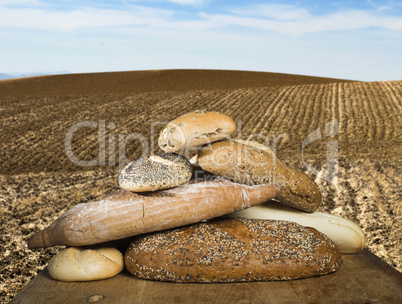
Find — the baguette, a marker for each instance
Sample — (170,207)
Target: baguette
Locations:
(125,213)
(233,250)
(347,235)
(252,163)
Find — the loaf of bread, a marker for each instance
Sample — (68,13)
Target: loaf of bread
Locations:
(78,264)
(347,235)
(195,129)
(233,250)
(252,163)
(160,171)
(126,213)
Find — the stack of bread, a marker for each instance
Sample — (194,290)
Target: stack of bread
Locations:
(210,220)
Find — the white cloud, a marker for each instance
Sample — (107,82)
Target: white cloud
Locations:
(287,19)
(189,2)
(284,19)
(274,11)
(67,21)
(22,3)
(54,20)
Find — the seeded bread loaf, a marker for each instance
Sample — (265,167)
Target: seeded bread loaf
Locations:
(251,163)
(233,250)
(160,171)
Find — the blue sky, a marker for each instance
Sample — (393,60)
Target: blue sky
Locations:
(359,40)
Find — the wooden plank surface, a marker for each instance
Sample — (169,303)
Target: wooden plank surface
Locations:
(362,278)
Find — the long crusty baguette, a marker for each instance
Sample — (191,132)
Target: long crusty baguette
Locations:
(125,214)
(233,250)
(251,163)
(347,235)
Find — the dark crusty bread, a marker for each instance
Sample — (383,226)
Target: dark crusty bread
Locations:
(233,250)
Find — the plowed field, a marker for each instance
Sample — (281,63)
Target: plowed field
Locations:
(346,135)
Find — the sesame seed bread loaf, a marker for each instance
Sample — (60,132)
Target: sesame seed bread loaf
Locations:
(195,129)
(252,163)
(233,250)
(159,171)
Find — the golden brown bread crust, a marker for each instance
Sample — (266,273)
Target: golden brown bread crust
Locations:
(233,250)
(124,214)
(251,163)
(195,129)
(85,264)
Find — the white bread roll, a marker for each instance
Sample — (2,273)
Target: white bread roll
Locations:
(77,264)
(195,129)
(347,235)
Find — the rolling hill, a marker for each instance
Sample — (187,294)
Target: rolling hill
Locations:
(150,81)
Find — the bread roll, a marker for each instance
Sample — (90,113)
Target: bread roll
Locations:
(77,264)
(160,171)
(124,214)
(195,129)
(347,235)
(252,163)
(233,250)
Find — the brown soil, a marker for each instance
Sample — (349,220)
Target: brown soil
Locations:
(150,81)
(39,182)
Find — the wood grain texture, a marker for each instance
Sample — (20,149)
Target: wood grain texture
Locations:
(363,278)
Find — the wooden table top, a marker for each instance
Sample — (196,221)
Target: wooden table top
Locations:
(362,278)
